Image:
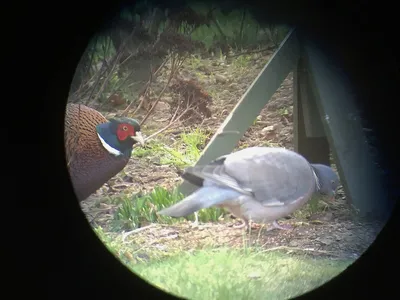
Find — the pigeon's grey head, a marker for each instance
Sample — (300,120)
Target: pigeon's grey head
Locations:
(327,180)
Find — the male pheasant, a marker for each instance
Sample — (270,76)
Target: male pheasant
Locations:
(96,148)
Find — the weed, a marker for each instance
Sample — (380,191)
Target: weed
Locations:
(183,153)
(194,61)
(313,206)
(283,111)
(135,211)
(242,63)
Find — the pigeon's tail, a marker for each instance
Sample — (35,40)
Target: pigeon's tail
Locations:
(202,198)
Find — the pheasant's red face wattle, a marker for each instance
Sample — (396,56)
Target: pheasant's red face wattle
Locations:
(124,131)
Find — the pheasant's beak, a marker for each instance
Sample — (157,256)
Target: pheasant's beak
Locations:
(139,138)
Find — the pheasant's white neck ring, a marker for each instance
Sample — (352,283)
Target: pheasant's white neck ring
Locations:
(110,149)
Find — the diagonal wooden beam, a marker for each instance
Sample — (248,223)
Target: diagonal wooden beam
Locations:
(250,105)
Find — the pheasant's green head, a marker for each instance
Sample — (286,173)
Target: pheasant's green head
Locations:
(119,135)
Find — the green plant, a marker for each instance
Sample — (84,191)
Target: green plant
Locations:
(283,111)
(208,215)
(182,153)
(188,150)
(242,64)
(204,34)
(270,144)
(232,30)
(194,61)
(313,206)
(134,211)
(144,151)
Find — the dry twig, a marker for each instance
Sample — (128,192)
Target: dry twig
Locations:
(299,249)
(126,234)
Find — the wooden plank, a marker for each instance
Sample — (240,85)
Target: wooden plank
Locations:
(251,103)
(357,169)
(312,119)
(313,146)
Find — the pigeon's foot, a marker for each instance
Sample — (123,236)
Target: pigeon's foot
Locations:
(275,225)
(244,224)
(253,226)
(247,225)
(256,226)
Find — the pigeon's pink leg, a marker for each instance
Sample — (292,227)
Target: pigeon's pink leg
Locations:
(247,224)
(275,225)
(244,224)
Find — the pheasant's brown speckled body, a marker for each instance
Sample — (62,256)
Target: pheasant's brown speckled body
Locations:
(90,164)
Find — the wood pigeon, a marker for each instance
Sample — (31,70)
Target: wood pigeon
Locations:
(260,184)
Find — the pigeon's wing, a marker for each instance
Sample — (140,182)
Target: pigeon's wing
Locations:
(213,173)
(276,176)
(273,176)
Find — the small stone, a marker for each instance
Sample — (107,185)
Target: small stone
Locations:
(142,256)
(268,129)
(127,178)
(233,85)
(325,241)
(220,78)
(168,99)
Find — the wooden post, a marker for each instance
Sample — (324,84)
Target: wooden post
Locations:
(358,171)
(309,136)
(251,104)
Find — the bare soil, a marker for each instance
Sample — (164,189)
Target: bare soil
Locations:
(333,232)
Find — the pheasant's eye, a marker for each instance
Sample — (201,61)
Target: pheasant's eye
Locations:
(124,128)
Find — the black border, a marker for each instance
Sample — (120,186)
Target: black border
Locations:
(44,44)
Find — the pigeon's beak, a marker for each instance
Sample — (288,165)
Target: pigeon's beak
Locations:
(332,196)
(138,138)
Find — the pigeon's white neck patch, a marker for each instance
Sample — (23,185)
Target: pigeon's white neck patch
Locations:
(110,149)
(317,181)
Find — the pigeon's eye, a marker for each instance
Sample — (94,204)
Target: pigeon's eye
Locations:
(332,182)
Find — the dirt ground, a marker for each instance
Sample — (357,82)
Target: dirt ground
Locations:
(331,233)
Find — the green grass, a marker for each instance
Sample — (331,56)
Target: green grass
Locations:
(135,211)
(241,63)
(234,274)
(184,152)
(222,273)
